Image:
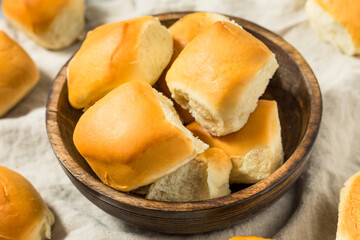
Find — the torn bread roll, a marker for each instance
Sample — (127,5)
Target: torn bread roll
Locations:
(133,136)
(23,213)
(115,53)
(182,32)
(52,24)
(220,75)
(337,22)
(205,177)
(256,150)
(349,210)
(18,73)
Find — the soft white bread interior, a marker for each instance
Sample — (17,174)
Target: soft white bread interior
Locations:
(133,136)
(115,53)
(337,22)
(256,150)
(349,210)
(205,177)
(52,24)
(182,32)
(220,75)
(18,73)
(23,213)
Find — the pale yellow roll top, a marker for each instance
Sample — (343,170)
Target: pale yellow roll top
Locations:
(18,73)
(115,53)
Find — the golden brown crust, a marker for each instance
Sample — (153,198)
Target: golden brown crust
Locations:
(131,143)
(18,73)
(346,12)
(215,73)
(182,32)
(349,210)
(258,131)
(188,27)
(21,206)
(110,56)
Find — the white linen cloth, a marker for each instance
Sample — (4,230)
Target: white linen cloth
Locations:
(307,211)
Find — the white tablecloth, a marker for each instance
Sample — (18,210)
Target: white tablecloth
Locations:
(307,211)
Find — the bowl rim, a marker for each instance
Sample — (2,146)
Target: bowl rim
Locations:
(114,197)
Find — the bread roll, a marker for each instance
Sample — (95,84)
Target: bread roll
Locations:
(337,22)
(349,210)
(52,24)
(23,213)
(182,32)
(220,75)
(205,177)
(249,238)
(18,73)
(133,136)
(115,53)
(256,150)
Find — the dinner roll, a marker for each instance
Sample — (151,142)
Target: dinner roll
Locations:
(256,150)
(182,32)
(52,24)
(115,53)
(337,22)
(220,75)
(349,210)
(205,177)
(18,73)
(133,136)
(23,213)
(249,238)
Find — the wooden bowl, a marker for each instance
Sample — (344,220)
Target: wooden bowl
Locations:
(296,90)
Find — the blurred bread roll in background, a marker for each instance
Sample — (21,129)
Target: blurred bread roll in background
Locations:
(183,31)
(249,238)
(133,136)
(204,177)
(23,213)
(256,149)
(349,210)
(337,22)
(220,75)
(115,53)
(52,24)
(18,73)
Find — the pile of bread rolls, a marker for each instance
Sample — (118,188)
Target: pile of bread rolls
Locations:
(132,136)
(171,113)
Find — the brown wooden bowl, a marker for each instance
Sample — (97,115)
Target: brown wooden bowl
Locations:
(296,90)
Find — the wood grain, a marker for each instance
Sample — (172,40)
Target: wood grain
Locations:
(296,90)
